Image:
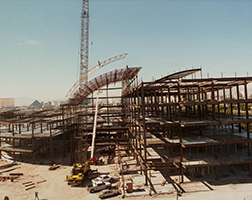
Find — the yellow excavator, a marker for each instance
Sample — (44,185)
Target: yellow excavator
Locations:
(79,173)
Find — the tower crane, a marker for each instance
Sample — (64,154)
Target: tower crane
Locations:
(88,73)
(84,73)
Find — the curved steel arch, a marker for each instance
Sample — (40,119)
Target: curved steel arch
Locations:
(100,81)
(178,75)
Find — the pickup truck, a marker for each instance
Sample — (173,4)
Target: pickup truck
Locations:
(103,178)
(97,186)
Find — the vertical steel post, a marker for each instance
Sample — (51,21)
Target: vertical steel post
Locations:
(213,98)
(231,105)
(51,145)
(224,98)
(63,130)
(247,116)
(238,105)
(199,108)
(144,136)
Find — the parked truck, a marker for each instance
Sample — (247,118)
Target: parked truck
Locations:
(97,186)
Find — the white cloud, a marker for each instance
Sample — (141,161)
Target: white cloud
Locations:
(29,42)
(32,42)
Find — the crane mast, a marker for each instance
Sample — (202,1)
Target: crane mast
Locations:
(84,42)
(80,152)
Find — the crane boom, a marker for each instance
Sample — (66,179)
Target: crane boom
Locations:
(100,65)
(94,127)
(84,41)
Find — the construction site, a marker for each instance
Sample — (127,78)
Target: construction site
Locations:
(178,125)
(174,135)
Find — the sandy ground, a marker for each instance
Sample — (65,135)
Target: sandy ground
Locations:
(55,187)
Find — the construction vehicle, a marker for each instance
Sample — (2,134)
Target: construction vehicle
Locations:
(81,168)
(79,173)
(76,179)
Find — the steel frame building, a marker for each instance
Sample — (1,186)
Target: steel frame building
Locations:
(190,122)
(69,127)
(178,124)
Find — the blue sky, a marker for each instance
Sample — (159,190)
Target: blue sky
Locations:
(40,40)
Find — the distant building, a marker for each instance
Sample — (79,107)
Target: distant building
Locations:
(7,103)
(55,103)
(36,103)
(46,104)
(61,102)
(51,103)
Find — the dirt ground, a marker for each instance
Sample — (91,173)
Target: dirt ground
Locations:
(51,185)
